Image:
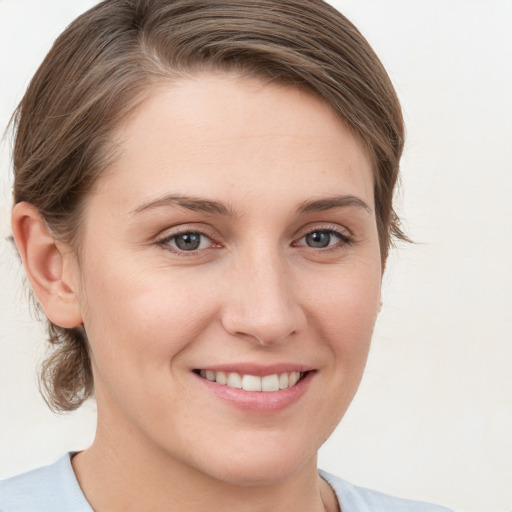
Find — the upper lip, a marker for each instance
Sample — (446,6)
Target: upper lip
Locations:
(257,369)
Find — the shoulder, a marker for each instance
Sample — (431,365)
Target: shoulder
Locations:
(359,499)
(45,489)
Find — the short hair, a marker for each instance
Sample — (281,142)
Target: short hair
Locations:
(102,65)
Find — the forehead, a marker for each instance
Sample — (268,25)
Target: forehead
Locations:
(215,130)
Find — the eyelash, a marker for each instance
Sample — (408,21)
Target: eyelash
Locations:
(165,242)
(344,240)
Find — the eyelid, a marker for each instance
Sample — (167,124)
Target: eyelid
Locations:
(342,233)
(164,239)
(335,228)
(345,236)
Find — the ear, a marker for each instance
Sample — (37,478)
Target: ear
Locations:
(48,264)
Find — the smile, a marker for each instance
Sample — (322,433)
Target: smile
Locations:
(267,383)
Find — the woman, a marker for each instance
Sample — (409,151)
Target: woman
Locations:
(203,205)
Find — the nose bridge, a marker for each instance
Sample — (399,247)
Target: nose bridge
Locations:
(262,301)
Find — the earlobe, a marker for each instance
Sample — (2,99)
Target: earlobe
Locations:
(45,265)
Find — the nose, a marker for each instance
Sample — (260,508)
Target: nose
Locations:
(262,301)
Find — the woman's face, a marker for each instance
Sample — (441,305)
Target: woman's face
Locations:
(234,239)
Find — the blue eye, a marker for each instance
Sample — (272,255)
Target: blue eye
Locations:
(188,241)
(323,238)
(318,239)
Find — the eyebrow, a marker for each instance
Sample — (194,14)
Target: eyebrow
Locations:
(199,204)
(196,204)
(329,203)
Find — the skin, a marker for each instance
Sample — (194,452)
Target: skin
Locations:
(254,292)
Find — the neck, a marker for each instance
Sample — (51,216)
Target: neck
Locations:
(125,473)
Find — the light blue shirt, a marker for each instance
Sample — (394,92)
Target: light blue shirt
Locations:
(55,488)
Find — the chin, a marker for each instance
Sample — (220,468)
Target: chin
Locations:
(250,474)
(264,463)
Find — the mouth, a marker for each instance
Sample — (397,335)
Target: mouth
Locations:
(267,383)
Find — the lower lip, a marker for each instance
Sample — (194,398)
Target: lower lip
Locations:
(259,401)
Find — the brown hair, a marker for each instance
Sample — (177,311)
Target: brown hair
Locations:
(102,64)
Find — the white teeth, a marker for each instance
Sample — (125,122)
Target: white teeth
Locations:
(251,383)
(221,378)
(268,383)
(234,381)
(293,378)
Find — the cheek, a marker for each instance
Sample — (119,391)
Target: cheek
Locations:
(138,327)
(345,312)
(346,308)
(144,317)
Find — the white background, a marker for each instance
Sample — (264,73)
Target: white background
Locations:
(433,417)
